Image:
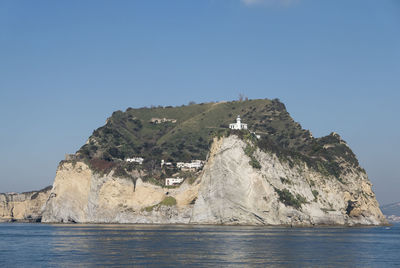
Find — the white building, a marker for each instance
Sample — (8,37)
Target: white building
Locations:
(173,181)
(180,164)
(138,160)
(195,164)
(156,120)
(256,135)
(163,163)
(238,124)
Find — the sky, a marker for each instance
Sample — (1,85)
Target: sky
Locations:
(65,66)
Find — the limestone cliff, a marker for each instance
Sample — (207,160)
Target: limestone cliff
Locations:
(80,195)
(229,190)
(23,206)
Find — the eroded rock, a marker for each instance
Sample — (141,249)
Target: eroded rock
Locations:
(228,191)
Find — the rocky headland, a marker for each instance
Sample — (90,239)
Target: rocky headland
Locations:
(273,173)
(228,191)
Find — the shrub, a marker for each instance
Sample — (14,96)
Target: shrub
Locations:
(168,201)
(286,197)
(286,181)
(121,172)
(249,151)
(301,199)
(315,194)
(254,163)
(149,208)
(100,165)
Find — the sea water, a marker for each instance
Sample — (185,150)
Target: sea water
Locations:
(76,245)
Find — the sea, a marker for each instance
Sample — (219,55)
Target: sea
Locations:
(105,245)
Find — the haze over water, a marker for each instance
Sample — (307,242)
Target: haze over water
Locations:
(38,245)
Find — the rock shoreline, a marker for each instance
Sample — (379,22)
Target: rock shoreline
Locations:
(229,191)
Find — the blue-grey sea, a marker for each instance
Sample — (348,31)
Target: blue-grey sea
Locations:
(74,245)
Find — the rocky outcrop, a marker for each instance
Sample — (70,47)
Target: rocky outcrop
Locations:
(392,212)
(232,192)
(26,206)
(228,191)
(80,195)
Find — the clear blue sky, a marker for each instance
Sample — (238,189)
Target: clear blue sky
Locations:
(65,66)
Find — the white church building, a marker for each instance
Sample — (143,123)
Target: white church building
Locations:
(238,124)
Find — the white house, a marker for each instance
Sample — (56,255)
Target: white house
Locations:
(238,124)
(138,160)
(195,164)
(180,164)
(173,181)
(156,120)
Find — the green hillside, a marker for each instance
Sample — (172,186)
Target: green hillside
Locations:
(132,133)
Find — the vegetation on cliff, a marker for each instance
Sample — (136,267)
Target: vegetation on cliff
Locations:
(168,201)
(286,197)
(185,133)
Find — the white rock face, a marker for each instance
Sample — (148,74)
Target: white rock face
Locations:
(232,192)
(79,195)
(229,191)
(23,206)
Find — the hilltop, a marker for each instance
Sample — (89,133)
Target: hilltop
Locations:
(186,132)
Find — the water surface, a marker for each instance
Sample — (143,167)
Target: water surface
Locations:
(38,245)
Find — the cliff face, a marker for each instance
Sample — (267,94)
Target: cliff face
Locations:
(228,191)
(233,192)
(24,206)
(79,195)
